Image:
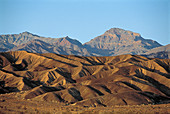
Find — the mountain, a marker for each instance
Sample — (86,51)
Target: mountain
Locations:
(84,81)
(162,52)
(117,41)
(64,46)
(34,43)
(71,47)
(35,46)
(5,44)
(113,42)
(24,37)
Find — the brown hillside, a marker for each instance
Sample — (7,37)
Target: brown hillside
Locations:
(85,81)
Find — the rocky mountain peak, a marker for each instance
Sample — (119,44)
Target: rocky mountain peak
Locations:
(119,31)
(118,41)
(69,41)
(67,37)
(26,33)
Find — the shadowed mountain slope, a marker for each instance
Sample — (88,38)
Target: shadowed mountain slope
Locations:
(162,52)
(86,81)
(117,41)
(34,43)
(24,37)
(113,42)
(63,46)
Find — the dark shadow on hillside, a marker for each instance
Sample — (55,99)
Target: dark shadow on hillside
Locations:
(75,93)
(66,75)
(156,99)
(164,89)
(95,90)
(153,70)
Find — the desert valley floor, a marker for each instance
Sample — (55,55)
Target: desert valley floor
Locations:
(52,83)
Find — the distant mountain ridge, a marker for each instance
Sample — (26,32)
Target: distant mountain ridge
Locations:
(162,52)
(117,41)
(113,42)
(34,43)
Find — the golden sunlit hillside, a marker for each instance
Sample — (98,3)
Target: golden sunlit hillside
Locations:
(32,82)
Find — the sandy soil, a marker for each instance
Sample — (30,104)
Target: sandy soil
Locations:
(13,103)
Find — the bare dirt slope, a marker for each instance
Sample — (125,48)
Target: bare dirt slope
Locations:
(76,81)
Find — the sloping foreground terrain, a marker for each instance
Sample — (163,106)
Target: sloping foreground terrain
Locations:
(52,80)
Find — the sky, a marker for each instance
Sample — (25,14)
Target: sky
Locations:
(86,19)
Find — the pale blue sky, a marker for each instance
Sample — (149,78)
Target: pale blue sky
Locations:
(86,19)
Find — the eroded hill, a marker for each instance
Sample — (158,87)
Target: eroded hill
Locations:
(85,81)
